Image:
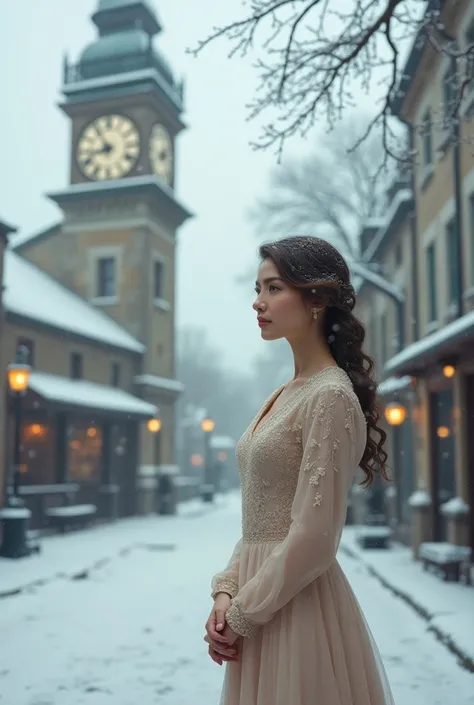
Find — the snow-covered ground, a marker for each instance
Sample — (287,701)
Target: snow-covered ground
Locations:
(130,629)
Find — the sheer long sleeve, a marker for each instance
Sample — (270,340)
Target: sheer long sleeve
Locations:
(333,437)
(228,580)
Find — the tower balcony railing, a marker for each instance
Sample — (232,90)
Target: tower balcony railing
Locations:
(85,71)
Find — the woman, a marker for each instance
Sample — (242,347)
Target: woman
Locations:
(284,616)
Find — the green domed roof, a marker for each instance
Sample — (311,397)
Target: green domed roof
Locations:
(125,42)
(123,51)
(131,42)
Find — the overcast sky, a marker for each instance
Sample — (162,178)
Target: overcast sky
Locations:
(219,176)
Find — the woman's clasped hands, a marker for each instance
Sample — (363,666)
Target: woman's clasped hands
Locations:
(224,644)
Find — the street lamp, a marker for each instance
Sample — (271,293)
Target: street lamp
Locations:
(208,488)
(395,413)
(18,374)
(154,425)
(15,515)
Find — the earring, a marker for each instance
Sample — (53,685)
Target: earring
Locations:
(314,311)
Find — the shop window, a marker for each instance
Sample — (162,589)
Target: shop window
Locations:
(37,452)
(85,445)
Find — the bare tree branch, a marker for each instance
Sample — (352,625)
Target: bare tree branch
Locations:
(314,55)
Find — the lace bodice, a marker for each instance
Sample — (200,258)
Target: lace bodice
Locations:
(270,452)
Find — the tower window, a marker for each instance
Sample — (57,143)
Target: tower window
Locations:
(106,277)
(158,271)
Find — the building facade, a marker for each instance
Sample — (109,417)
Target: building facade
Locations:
(429,255)
(102,348)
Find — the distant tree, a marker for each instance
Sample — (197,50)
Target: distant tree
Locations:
(330,192)
(313,53)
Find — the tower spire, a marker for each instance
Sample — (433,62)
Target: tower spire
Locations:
(117,15)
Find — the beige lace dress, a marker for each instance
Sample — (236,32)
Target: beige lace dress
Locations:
(305,640)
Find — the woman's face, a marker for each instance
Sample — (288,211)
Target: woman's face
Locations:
(280,308)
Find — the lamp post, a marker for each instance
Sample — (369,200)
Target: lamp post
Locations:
(165,503)
(208,488)
(15,515)
(395,414)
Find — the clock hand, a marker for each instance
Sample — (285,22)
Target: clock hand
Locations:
(105,149)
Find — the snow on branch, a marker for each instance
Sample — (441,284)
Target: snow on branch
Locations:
(314,55)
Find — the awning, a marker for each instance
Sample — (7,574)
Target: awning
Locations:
(89,395)
(392,385)
(164,384)
(415,357)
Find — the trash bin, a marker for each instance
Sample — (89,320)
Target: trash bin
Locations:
(166,494)
(15,532)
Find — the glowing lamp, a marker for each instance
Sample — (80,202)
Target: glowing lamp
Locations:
(153,425)
(443,432)
(18,377)
(395,413)
(208,425)
(449,371)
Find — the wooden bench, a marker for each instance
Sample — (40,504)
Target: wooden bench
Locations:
(72,516)
(446,559)
(40,498)
(374,536)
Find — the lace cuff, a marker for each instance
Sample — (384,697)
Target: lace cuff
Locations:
(238,623)
(225,585)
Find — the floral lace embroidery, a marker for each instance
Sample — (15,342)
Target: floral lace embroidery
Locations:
(324,415)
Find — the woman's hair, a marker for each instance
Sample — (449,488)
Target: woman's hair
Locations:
(322,276)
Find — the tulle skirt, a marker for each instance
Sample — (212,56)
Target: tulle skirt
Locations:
(317,650)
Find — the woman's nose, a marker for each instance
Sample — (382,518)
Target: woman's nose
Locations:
(258,304)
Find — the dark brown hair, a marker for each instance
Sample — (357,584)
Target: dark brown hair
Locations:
(322,276)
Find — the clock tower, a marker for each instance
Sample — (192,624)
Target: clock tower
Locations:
(117,245)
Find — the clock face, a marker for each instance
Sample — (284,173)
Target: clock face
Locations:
(161,153)
(108,148)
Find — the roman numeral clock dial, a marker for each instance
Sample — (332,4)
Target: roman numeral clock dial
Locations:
(161,153)
(108,148)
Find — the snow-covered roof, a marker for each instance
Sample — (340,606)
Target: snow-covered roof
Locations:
(393,384)
(165,383)
(403,196)
(460,328)
(33,294)
(81,393)
(125,78)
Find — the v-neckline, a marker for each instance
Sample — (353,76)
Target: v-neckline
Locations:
(264,416)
